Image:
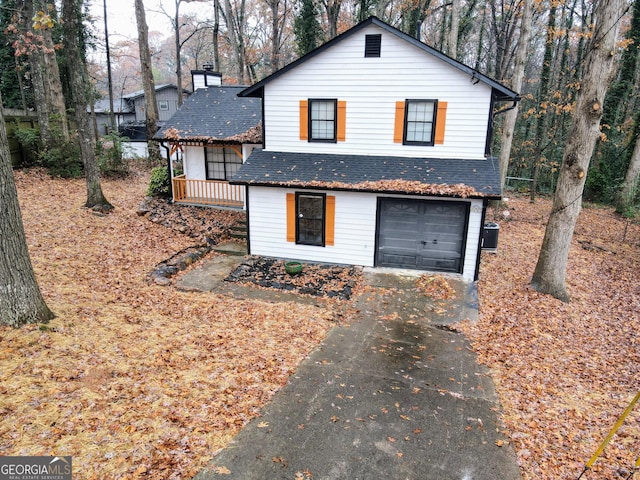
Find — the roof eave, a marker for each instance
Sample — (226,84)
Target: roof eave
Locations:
(505,93)
(306,186)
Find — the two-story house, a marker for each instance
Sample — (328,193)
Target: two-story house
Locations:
(375,153)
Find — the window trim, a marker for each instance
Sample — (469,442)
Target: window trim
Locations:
(310,120)
(163,105)
(322,242)
(434,120)
(225,151)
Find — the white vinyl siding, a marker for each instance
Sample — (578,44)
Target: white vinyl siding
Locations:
(355,223)
(194,162)
(355,229)
(371,87)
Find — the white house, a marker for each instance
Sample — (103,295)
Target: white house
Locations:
(214,132)
(375,153)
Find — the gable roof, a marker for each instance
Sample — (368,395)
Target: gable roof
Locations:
(500,92)
(421,176)
(159,88)
(215,114)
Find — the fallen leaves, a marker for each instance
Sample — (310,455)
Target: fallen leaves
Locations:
(435,287)
(564,372)
(131,379)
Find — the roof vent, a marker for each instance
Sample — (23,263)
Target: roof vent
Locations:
(372,45)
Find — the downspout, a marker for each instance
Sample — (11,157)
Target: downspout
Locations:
(485,203)
(247,216)
(169,169)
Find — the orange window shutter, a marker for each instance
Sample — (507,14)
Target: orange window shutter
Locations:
(330,221)
(441,120)
(304,120)
(342,120)
(291,217)
(398,132)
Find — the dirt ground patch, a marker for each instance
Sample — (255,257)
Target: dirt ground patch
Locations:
(332,281)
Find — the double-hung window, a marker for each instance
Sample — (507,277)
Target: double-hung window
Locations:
(322,120)
(420,122)
(221,163)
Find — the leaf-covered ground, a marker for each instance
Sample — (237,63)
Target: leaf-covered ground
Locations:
(136,380)
(565,372)
(132,379)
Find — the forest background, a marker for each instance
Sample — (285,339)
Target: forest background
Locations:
(246,40)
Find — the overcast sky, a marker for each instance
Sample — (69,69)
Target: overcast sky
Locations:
(121,17)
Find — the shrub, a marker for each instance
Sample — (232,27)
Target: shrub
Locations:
(159,182)
(64,160)
(29,140)
(109,153)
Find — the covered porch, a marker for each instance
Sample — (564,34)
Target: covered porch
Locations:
(213,193)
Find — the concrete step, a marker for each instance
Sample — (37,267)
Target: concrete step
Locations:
(231,248)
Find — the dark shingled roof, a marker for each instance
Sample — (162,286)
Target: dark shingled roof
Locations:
(215,114)
(426,176)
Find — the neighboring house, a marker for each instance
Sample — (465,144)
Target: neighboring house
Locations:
(130,111)
(215,131)
(376,153)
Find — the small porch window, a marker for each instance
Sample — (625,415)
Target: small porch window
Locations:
(221,162)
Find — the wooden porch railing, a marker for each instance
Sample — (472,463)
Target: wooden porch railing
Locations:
(207,192)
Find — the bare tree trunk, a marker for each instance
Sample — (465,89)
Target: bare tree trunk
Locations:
(53,89)
(151,110)
(216,34)
(452,35)
(112,116)
(551,270)
(631,182)
(50,106)
(332,9)
(20,298)
(274,6)
(77,79)
(516,85)
(234,30)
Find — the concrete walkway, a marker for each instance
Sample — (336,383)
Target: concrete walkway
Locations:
(395,394)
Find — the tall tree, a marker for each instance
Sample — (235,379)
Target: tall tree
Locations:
(78,78)
(306,27)
(551,269)
(234,15)
(112,115)
(177,25)
(631,184)
(517,78)
(20,298)
(451,40)
(332,10)
(37,19)
(216,35)
(151,110)
(279,11)
(543,100)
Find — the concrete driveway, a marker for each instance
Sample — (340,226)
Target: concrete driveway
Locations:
(395,394)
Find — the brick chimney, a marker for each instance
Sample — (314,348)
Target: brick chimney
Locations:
(205,78)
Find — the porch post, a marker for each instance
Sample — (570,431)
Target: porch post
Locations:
(169,169)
